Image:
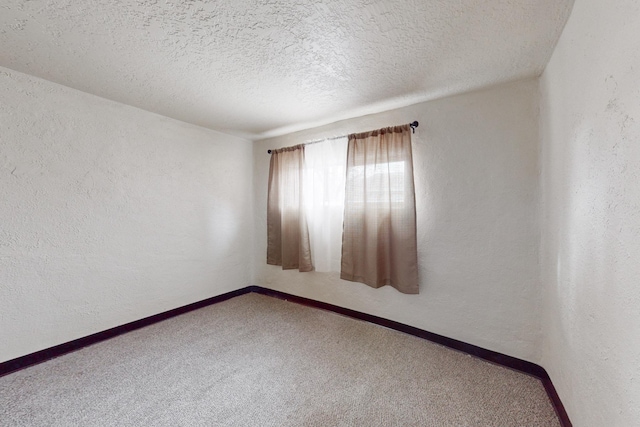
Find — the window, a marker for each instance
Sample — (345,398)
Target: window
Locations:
(346,205)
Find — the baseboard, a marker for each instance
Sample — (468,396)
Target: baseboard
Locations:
(557,403)
(489,355)
(492,356)
(61,349)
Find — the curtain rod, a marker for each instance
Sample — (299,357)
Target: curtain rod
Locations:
(413,126)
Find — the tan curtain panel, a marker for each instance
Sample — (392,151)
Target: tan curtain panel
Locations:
(379,237)
(287,232)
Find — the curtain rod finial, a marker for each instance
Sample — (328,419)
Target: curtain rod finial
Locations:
(414,125)
(268,151)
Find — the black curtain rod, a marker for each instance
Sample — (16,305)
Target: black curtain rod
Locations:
(414,124)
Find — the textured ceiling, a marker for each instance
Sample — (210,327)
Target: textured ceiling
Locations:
(259,68)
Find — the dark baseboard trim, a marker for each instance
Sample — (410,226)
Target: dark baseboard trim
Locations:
(557,403)
(491,356)
(58,350)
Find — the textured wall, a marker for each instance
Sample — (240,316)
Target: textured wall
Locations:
(590,252)
(110,214)
(476,177)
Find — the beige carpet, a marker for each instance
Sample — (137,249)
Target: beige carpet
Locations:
(259,361)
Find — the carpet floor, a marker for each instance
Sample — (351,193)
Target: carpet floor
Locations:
(255,360)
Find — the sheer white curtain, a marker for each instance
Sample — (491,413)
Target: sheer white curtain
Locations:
(324,186)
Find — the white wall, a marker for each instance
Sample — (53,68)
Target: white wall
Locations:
(476,176)
(590,251)
(110,214)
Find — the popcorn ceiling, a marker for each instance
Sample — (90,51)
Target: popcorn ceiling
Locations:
(268,67)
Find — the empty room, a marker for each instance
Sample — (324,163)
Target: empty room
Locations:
(339,213)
